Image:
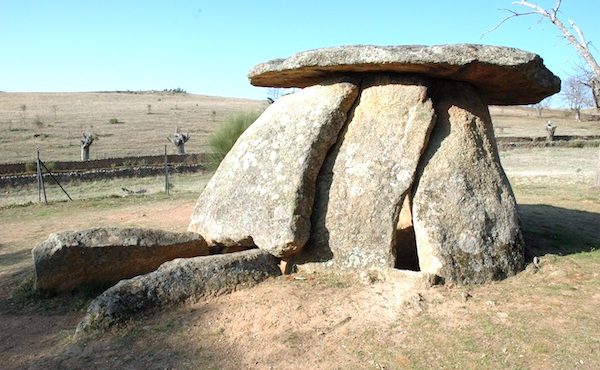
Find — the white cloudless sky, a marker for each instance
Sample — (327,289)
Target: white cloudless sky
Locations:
(207,47)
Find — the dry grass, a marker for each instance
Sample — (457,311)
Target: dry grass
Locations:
(180,184)
(523,121)
(136,133)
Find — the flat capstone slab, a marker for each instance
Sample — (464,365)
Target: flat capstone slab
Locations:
(503,75)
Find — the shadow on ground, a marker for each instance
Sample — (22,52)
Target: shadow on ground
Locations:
(549,229)
(167,339)
(12,258)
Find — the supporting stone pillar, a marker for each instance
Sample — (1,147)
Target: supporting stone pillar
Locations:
(464,211)
(263,191)
(367,174)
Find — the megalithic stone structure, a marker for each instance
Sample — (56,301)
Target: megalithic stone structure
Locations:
(320,180)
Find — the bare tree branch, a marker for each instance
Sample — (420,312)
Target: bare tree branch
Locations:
(574,35)
(579,33)
(514,15)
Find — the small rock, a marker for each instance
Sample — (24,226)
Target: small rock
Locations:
(466,296)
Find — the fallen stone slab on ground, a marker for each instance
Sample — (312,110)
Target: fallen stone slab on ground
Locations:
(178,281)
(69,260)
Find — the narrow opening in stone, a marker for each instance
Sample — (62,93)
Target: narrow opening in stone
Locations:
(405,241)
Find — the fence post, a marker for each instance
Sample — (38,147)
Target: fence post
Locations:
(41,179)
(166,172)
(38,175)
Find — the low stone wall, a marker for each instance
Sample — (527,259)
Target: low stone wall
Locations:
(107,163)
(542,143)
(99,174)
(542,139)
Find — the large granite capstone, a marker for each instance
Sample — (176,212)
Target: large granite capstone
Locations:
(503,76)
(417,141)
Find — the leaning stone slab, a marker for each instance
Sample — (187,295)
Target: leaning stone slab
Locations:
(368,173)
(102,256)
(178,281)
(263,191)
(504,76)
(464,212)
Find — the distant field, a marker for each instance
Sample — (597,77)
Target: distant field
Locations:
(54,122)
(524,121)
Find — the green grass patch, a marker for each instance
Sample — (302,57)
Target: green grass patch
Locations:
(222,140)
(29,299)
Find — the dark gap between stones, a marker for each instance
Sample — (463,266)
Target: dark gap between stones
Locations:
(405,242)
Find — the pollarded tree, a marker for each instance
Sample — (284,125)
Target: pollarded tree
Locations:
(179,139)
(86,141)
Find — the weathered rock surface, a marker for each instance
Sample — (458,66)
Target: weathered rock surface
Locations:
(367,174)
(464,212)
(504,76)
(178,281)
(263,191)
(101,256)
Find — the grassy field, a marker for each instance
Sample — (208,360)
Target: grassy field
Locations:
(543,318)
(524,121)
(54,122)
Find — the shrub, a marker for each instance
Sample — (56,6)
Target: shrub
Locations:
(51,165)
(38,121)
(113,121)
(222,140)
(576,143)
(30,167)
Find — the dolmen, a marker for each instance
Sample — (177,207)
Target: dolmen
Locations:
(385,158)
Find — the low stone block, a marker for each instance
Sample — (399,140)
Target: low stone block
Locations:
(102,256)
(178,281)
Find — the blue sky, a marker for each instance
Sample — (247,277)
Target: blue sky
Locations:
(207,47)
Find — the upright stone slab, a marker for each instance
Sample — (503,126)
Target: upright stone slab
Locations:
(263,191)
(366,176)
(464,212)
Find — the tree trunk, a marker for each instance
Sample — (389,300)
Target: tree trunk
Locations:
(85,153)
(597,185)
(181,148)
(578,114)
(550,133)
(596,92)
